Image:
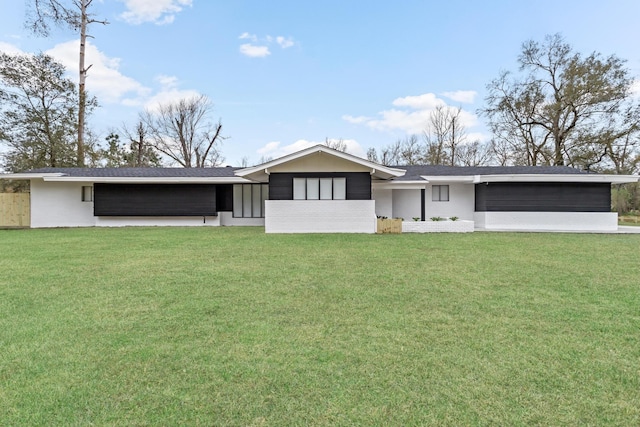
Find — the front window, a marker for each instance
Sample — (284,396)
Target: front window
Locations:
(440,193)
(319,188)
(87,193)
(248,200)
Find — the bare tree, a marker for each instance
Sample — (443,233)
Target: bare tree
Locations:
(336,144)
(182,131)
(565,107)
(75,15)
(372,155)
(444,133)
(407,151)
(474,153)
(141,151)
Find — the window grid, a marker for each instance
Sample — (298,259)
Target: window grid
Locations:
(248,200)
(87,193)
(319,188)
(440,193)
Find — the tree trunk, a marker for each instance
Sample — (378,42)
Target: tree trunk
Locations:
(82,97)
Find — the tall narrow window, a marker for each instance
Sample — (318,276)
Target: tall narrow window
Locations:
(440,193)
(313,188)
(256,201)
(246,200)
(237,201)
(87,193)
(326,188)
(339,188)
(249,200)
(299,188)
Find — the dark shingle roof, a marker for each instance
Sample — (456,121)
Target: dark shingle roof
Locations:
(415,172)
(143,172)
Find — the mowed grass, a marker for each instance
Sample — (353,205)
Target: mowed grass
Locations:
(229,326)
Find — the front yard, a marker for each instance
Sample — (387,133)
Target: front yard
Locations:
(229,326)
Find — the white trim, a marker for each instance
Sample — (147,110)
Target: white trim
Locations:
(148,180)
(60,177)
(30,175)
(399,185)
(469,179)
(612,179)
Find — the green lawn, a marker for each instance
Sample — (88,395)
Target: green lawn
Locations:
(229,326)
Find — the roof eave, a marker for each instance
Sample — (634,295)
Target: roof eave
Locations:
(612,179)
(149,180)
(32,175)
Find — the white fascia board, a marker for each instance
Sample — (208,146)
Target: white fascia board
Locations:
(468,179)
(149,180)
(612,179)
(375,167)
(400,185)
(30,175)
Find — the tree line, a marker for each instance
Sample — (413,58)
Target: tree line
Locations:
(559,108)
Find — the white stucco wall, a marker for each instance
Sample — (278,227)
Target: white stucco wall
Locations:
(320,216)
(461,202)
(556,221)
(227,219)
(384,201)
(59,204)
(406,204)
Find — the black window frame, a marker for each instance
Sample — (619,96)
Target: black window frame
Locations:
(84,194)
(437,190)
(320,178)
(264,188)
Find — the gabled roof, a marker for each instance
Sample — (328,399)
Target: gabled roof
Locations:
(377,170)
(406,176)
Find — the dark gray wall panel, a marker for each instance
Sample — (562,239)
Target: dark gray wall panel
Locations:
(224,197)
(154,199)
(543,197)
(358,184)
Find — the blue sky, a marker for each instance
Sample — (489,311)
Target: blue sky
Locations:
(287,74)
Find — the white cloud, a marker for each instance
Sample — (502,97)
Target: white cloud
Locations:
(104,79)
(285,42)
(427,101)
(168,93)
(247,36)
(411,116)
(259,46)
(462,96)
(254,51)
(109,85)
(356,120)
(275,149)
(157,11)
(10,49)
